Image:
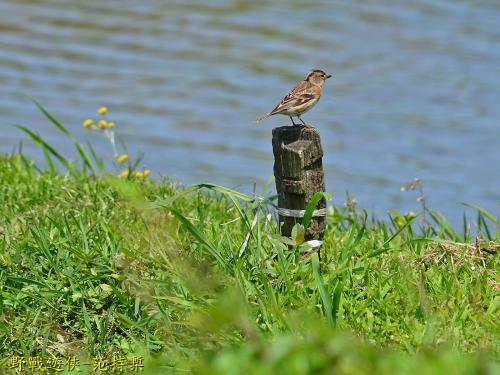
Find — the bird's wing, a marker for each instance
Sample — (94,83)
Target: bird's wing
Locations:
(302,93)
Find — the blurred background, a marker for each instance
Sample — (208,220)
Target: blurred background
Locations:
(415,93)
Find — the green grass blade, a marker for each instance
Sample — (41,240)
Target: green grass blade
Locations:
(45,146)
(312,206)
(87,161)
(482,224)
(337,297)
(384,248)
(51,118)
(466,229)
(225,190)
(325,297)
(489,215)
(217,188)
(49,162)
(445,225)
(198,235)
(241,212)
(81,150)
(97,158)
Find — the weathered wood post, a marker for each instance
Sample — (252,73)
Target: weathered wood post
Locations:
(298,170)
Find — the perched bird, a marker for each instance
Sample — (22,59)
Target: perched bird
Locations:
(301,98)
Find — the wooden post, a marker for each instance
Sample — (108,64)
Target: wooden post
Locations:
(298,170)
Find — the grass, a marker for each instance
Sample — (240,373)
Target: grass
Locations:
(197,280)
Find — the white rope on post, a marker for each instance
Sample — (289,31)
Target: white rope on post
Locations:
(300,213)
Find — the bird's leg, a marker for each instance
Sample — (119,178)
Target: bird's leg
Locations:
(305,125)
(293,122)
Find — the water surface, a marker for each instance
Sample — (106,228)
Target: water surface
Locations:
(416,88)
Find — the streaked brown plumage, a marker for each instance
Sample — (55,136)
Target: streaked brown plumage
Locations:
(301,98)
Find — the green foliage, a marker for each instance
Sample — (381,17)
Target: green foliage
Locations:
(198,280)
(324,351)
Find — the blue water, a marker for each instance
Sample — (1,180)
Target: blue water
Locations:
(415,93)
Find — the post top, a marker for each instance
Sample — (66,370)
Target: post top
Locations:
(295,132)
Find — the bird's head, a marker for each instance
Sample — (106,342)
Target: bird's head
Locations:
(317,77)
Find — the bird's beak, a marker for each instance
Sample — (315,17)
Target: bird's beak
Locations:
(328,76)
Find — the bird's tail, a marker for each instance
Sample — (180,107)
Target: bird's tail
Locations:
(263,117)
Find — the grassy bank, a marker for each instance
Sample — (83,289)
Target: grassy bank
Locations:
(197,280)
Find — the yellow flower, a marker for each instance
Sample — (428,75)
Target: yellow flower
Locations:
(138,174)
(111,125)
(146,172)
(88,123)
(124,173)
(122,158)
(103,110)
(102,124)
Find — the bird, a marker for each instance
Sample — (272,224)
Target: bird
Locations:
(301,98)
